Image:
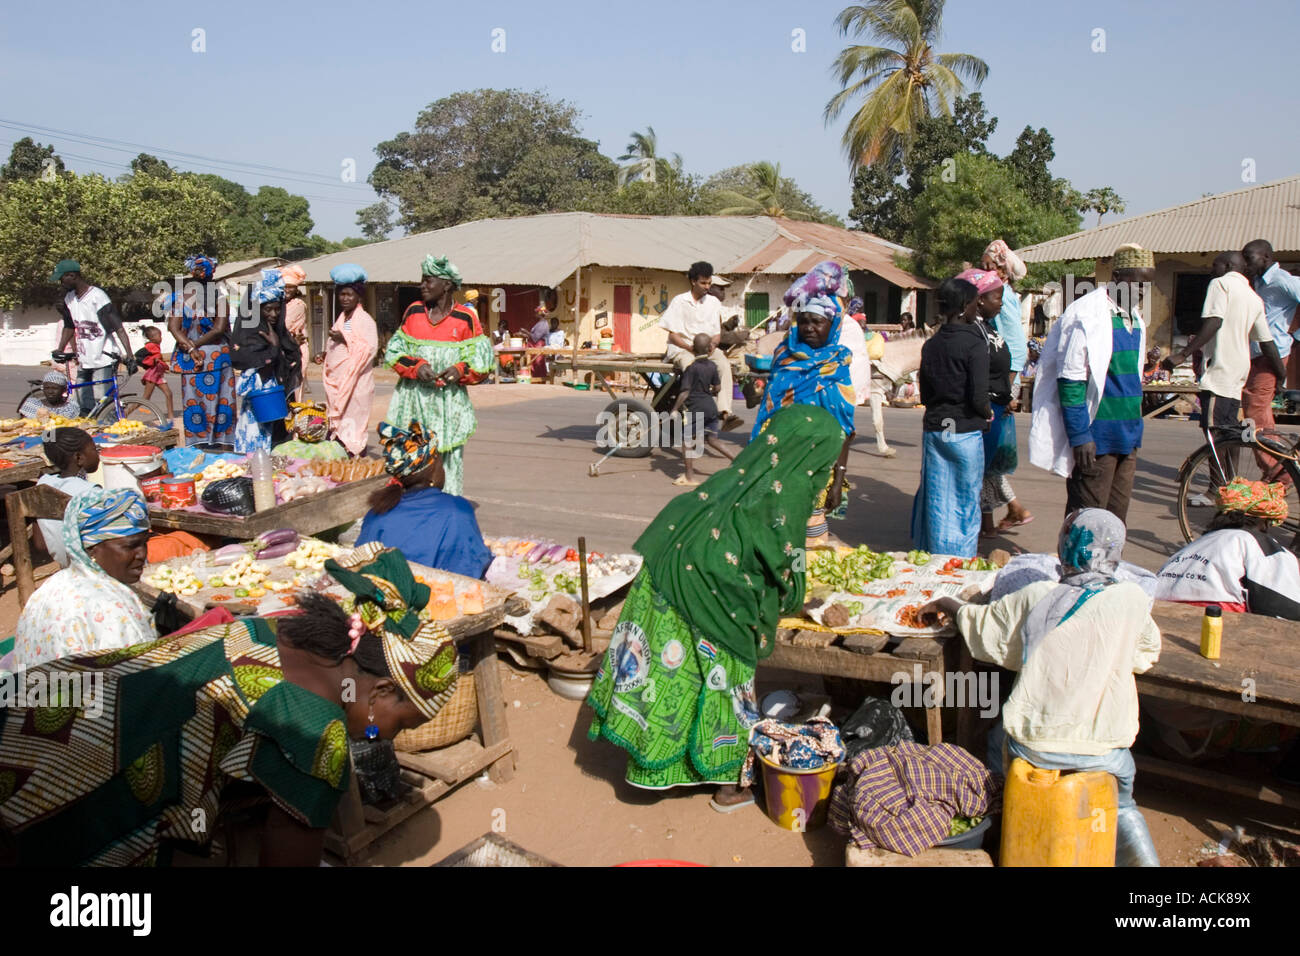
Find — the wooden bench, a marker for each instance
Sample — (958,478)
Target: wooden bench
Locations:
(38,501)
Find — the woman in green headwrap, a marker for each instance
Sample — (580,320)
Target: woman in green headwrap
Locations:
(676,688)
(439,350)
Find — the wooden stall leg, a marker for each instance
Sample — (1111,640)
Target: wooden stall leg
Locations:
(965,713)
(491,704)
(934,713)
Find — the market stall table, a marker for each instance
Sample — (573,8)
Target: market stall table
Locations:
(1179,392)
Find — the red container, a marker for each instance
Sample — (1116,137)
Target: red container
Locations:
(178,494)
(152,487)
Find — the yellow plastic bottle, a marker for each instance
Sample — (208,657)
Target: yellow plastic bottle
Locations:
(1050,819)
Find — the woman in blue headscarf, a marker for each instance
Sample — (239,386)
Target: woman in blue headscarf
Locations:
(812,367)
(89,605)
(264,355)
(199,324)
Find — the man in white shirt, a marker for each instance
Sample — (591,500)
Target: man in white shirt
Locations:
(687,316)
(1232,318)
(90,316)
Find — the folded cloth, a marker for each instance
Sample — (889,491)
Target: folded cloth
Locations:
(807,746)
(904,798)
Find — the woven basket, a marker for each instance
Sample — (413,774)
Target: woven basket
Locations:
(454,722)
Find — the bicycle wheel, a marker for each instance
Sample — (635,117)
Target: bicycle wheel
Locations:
(133,409)
(1199,478)
(37,393)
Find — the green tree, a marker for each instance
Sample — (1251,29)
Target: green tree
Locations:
(145,164)
(127,235)
(485,153)
(284,217)
(28,160)
(1103,200)
(760,190)
(676,193)
(898,85)
(1028,160)
(957,216)
(376,221)
(644,164)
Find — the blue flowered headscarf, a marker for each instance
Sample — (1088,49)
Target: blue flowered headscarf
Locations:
(208,264)
(802,375)
(270,288)
(97,515)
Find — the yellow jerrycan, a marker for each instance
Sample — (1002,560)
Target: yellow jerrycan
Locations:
(1050,819)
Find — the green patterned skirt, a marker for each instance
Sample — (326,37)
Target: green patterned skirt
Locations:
(678,703)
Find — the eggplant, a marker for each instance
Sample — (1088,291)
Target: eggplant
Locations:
(270,540)
(229,554)
(278,550)
(535,555)
(556,553)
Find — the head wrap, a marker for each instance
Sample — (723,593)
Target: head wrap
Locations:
(471,295)
(1255,498)
(348,274)
(64,267)
(55,378)
(541,311)
(421,657)
(270,288)
(984,280)
(1132,256)
(407,451)
(1089,547)
(819,291)
(855,305)
(440,269)
(293,275)
(207,263)
(1001,259)
(96,516)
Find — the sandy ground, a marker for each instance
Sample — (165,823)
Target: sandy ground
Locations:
(526,472)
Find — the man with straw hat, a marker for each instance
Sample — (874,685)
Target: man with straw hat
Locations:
(1087,424)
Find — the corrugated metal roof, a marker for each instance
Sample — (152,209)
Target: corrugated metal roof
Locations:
(241,267)
(1214,224)
(544,250)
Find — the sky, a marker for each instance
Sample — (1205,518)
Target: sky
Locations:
(1185,98)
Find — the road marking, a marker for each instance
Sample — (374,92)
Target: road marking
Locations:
(584,513)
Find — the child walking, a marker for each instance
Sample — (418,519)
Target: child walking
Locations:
(156,368)
(699,384)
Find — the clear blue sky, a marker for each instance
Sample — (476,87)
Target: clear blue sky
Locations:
(1184,92)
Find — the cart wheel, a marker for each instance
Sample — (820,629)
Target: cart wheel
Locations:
(630,424)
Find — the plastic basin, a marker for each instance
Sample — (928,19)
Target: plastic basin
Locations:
(972,839)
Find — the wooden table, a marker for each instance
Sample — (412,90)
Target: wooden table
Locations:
(877,658)
(1168,388)
(25,469)
(29,463)
(310,515)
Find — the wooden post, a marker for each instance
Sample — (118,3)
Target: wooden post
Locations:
(586,605)
(577,321)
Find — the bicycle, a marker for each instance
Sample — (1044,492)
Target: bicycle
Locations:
(115,406)
(1255,455)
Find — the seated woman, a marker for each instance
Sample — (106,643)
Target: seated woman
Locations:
(74,455)
(1236,564)
(413,513)
(55,399)
(719,572)
(266,703)
(1076,646)
(89,605)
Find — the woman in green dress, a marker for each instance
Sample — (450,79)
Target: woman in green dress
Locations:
(723,563)
(130,760)
(439,350)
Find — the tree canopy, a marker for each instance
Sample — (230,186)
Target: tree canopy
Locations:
(759,189)
(28,160)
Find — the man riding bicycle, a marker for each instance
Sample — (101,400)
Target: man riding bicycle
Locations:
(90,316)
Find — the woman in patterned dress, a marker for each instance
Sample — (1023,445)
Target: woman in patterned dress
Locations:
(349,360)
(200,325)
(138,766)
(440,349)
(676,687)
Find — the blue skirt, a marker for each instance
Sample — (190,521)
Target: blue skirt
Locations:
(946,510)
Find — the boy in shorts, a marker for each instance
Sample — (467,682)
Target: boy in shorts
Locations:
(700,383)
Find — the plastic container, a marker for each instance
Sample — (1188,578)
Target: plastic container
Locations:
(760,363)
(124,465)
(259,469)
(268,404)
(972,839)
(1212,632)
(796,799)
(1050,818)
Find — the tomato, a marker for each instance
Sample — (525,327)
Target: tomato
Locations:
(571,555)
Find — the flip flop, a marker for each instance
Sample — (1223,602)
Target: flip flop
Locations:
(1006,524)
(732,807)
(681,481)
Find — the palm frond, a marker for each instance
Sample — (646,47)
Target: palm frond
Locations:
(971,68)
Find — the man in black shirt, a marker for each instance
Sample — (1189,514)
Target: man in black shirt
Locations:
(699,385)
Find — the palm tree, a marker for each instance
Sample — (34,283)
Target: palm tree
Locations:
(646,164)
(765,198)
(901,84)
(1103,200)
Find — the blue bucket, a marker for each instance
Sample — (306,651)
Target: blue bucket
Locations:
(268,404)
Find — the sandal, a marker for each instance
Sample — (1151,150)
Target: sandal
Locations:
(1006,524)
(684,482)
(744,799)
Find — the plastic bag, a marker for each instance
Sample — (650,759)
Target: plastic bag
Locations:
(876,723)
(875,346)
(1001,457)
(230,496)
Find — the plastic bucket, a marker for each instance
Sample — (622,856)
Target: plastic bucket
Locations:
(124,465)
(797,799)
(269,404)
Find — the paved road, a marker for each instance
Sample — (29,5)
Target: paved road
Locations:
(526,471)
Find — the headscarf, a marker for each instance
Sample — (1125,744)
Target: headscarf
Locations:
(440,269)
(349,274)
(407,451)
(806,376)
(293,275)
(1089,548)
(55,378)
(420,655)
(270,288)
(855,305)
(1004,260)
(984,280)
(96,516)
(207,263)
(722,554)
(1256,498)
